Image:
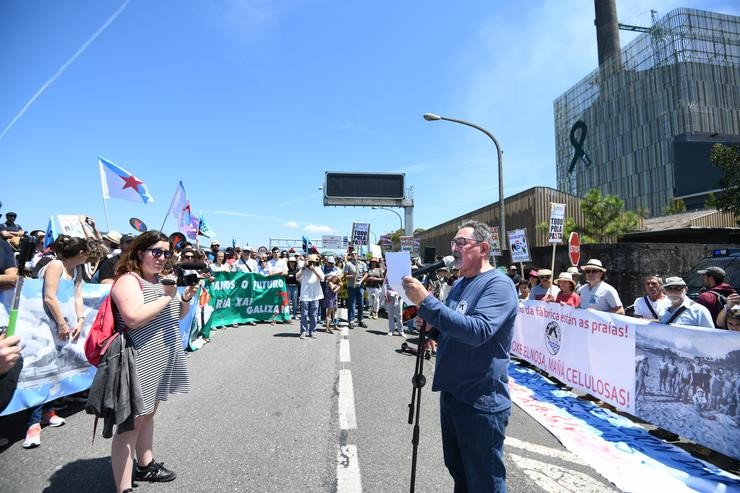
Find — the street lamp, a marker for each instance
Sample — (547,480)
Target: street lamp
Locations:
(400,219)
(430,117)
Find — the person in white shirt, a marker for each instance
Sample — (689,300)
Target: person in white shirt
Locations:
(654,303)
(245,262)
(277,266)
(597,294)
(310,277)
(683,311)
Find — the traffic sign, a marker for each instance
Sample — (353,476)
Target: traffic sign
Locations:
(574,248)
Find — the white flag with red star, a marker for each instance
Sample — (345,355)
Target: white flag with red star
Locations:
(118,183)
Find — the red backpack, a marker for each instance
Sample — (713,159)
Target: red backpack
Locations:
(102,331)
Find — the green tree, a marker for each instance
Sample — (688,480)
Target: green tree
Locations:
(604,216)
(728,160)
(675,206)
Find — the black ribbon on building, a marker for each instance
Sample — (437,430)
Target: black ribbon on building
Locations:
(578,145)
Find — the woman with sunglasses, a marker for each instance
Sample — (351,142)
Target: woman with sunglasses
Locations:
(149,311)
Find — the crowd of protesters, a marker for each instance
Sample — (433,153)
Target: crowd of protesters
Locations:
(318,286)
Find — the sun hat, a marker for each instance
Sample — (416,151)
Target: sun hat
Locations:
(330,259)
(565,276)
(595,264)
(544,272)
(572,270)
(113,236)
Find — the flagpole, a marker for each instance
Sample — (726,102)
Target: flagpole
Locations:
(102,192)
(172,202)
(107,220)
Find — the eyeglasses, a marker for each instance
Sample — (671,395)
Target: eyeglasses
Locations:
(673,288)
(461,241)
(158,252)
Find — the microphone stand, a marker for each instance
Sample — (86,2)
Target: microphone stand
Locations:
(417,381)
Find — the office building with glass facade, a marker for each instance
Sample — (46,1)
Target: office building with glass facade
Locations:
(646,118)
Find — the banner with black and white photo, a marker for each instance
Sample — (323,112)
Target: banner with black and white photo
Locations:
(683,379)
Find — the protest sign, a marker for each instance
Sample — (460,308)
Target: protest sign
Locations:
(495,242)
(386,243)
(518,245)
(557,220)
(361,234)
(407,243)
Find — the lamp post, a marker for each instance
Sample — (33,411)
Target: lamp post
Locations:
(400,219)
(430,117)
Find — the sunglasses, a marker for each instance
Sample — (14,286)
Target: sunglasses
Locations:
(190,255)
(544,278)
(591,271)
(158,252)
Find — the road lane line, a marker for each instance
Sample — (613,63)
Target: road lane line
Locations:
(541,450)
(348,470)
(346,400)
(344,351)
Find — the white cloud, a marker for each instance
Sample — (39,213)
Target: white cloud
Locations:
(315,228)
(291,224)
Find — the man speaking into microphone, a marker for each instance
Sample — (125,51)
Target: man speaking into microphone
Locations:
(475,325)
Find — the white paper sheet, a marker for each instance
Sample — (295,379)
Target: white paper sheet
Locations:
(399,265)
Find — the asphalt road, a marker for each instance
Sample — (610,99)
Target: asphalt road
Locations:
(264,417)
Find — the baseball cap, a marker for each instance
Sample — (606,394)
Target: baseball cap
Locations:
(716,272)
(674,281)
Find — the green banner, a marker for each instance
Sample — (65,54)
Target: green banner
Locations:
(240,297)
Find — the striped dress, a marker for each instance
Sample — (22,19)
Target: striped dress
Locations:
(160,358)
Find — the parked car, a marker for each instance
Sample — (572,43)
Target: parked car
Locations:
(726,258)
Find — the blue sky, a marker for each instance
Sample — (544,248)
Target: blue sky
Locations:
(250,102)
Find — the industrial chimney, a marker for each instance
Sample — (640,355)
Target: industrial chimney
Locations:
(607,31)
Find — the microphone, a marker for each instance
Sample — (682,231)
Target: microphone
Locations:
(447,261)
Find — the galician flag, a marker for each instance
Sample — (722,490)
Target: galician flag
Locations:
(180,204)
(118,183)
(180,210)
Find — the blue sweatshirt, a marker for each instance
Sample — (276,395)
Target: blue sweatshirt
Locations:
(476,327)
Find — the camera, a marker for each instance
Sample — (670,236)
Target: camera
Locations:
(186,279)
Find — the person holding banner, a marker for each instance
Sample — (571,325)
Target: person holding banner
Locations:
(149,311)
(476,326)
(597,294)
(71,254)
(684,311)
(567,294)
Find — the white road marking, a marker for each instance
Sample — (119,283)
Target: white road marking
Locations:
(344,351)
(346,399)
(541,450)
(557,479)
(348,470)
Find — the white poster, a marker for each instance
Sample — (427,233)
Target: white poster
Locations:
(557,220)
(361,234)
(518,245)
